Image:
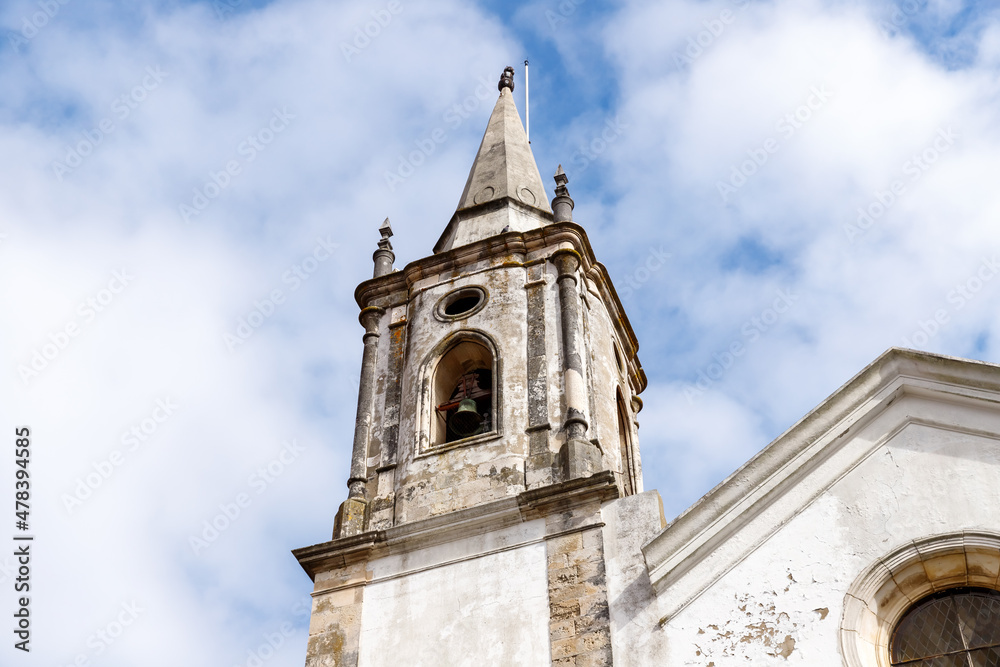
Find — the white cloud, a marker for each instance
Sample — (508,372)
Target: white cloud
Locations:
(894,115)
(161,335)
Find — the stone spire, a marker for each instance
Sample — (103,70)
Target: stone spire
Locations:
(504,186)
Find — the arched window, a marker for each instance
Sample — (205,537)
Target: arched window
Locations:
(959,627)
(953,579)
(464,393)
(625,445)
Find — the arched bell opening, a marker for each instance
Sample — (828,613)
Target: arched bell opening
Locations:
(464,393)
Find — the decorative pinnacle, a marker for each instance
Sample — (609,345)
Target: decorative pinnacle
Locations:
(507,79)
(562,203)
(561,180)
(386,230)
(384,256)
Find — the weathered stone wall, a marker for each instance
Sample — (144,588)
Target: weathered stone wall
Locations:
(602,375)
(605,381)
(383,446)
(335,624)
(432,480)
(543,365)
(628,524)
(579,626)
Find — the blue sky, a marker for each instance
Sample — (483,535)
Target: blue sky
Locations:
(780,190)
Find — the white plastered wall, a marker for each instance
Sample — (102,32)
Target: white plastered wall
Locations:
(474,602)
(773,592)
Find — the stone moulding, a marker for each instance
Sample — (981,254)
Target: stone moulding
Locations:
(526,506)
(704,531)
(879,597)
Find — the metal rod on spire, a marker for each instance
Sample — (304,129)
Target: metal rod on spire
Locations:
(527,118)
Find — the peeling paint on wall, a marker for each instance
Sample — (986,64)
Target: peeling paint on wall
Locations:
(756,627)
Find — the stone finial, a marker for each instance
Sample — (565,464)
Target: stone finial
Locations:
(507,79)
(562,203)
(561,180)
(385,229)
(384,256)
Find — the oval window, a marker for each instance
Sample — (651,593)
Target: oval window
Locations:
(461,303)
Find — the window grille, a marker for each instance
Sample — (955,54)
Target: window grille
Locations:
(955,628)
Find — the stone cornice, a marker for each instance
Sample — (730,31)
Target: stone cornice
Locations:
(526,506)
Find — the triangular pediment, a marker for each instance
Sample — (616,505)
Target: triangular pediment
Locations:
(900,389)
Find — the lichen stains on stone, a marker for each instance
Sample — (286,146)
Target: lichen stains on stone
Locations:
(327,649)
(396,336)
(381,503)
(413,490)
(510,476)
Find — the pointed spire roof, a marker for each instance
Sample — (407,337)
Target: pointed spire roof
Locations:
(503,177)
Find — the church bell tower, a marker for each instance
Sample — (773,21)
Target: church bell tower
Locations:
(496,417)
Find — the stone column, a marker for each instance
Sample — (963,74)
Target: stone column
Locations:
(351,517)
(579,457)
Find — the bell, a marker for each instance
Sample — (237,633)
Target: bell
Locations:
(466,420)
